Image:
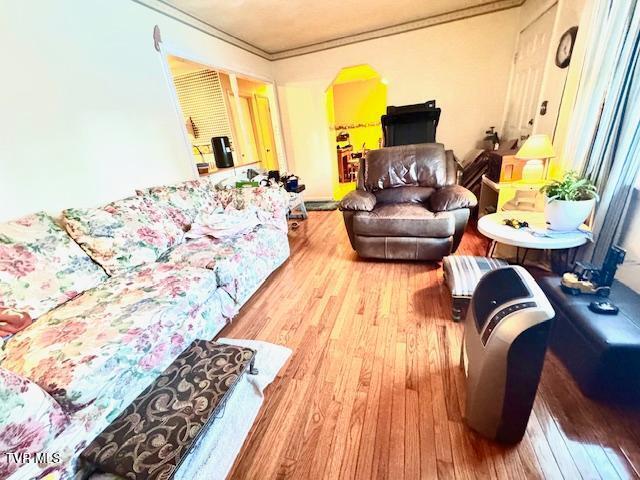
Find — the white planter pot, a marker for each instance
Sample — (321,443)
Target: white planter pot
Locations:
(566,215)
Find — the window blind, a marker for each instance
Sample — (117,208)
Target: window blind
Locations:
(201,97)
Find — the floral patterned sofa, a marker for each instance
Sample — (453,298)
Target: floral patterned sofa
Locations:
(114,297)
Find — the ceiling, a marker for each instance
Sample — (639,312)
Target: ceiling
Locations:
(278,26)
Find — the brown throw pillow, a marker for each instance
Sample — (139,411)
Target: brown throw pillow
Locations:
(12,321)
(151,437)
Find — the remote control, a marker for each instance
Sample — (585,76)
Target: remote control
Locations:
(603,308)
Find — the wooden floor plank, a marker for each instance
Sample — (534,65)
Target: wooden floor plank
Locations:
(346,396)
(364,464)
(412,466)
(426,427)
(398,418)
(374,390)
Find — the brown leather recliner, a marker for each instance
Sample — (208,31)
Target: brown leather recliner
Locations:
(407,204)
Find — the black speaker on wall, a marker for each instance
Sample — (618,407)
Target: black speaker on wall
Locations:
(222,152)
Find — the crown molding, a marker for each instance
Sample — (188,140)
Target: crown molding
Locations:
(168,10)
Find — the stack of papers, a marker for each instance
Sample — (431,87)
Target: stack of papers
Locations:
(548,233)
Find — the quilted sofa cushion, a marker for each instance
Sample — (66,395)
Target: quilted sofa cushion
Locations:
(120,335)
(41,267)
(240,263)
(123,234)
(185,202)
(29,418)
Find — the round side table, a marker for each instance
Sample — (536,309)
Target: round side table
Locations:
(492,227)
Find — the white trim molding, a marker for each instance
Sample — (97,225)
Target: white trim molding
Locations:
(165,49)
(164,62)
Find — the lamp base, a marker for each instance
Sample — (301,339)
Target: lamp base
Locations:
(533,171)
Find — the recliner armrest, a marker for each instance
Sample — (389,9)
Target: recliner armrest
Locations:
(358,200)
(454,168)
(452,197)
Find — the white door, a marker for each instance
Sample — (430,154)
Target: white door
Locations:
(246,111)
(244,127)
(267,139)
(526,76)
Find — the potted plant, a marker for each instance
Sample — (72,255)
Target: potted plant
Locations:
(569,201)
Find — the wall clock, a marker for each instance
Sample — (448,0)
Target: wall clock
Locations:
(565,47)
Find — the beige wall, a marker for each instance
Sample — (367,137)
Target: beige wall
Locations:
(464,65)
(559,86)
(580,10)
(87,115)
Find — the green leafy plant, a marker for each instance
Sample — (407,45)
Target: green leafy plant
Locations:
(571,187)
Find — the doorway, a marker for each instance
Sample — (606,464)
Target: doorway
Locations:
(355,102)
(267,137)
(256,113)
(215,103)
(526,80)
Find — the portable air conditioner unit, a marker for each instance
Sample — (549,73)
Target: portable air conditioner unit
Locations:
(505,340)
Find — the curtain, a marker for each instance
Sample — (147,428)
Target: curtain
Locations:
(604,135)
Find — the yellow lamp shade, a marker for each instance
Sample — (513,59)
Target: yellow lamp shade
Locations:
(536,147)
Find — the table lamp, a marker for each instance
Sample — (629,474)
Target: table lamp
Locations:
(536,150)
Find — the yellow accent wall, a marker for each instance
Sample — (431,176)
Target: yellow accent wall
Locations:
(361,102)
(357,96)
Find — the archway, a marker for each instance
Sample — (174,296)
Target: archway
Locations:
(356,99)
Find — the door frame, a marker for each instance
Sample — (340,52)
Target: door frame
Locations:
(252,127)
(534,18)
(167,48)
(273,133)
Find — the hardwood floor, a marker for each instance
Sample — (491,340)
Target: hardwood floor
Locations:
(374,390)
